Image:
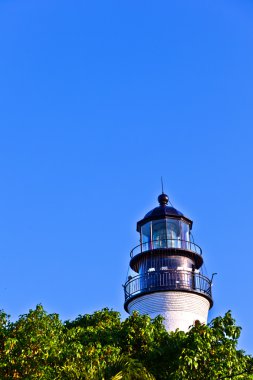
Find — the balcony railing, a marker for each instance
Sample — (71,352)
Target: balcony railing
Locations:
(168,280)
(165,244)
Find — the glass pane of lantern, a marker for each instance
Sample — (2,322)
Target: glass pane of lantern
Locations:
(173,233)
(146,236)
(159,236)
(185,235)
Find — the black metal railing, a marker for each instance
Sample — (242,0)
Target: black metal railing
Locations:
(168,280)
(165,244)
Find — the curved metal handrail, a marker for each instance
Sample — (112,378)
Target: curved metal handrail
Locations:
(168,280)
(165,244)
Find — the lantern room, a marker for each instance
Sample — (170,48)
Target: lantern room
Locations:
(164,227)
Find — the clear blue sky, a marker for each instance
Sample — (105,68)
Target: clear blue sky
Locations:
(98,99)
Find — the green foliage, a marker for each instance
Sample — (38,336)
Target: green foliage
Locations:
(209,352)
(100,346)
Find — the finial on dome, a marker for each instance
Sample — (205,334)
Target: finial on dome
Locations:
(163,199)
(162,184)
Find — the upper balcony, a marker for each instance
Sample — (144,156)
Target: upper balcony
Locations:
(167,247)
(165,244)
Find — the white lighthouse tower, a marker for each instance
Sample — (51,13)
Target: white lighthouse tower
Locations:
(165,270)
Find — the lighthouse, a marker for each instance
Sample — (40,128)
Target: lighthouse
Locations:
(166,276)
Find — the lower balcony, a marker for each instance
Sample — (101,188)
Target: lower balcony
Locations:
(177,280)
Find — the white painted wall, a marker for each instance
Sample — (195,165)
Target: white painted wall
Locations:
(180,309)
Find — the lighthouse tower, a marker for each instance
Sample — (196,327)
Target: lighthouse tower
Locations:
(165,270)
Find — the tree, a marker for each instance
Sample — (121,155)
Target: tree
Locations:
(210,352)
(100,346)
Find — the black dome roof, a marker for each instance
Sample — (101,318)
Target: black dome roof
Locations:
(161,212)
